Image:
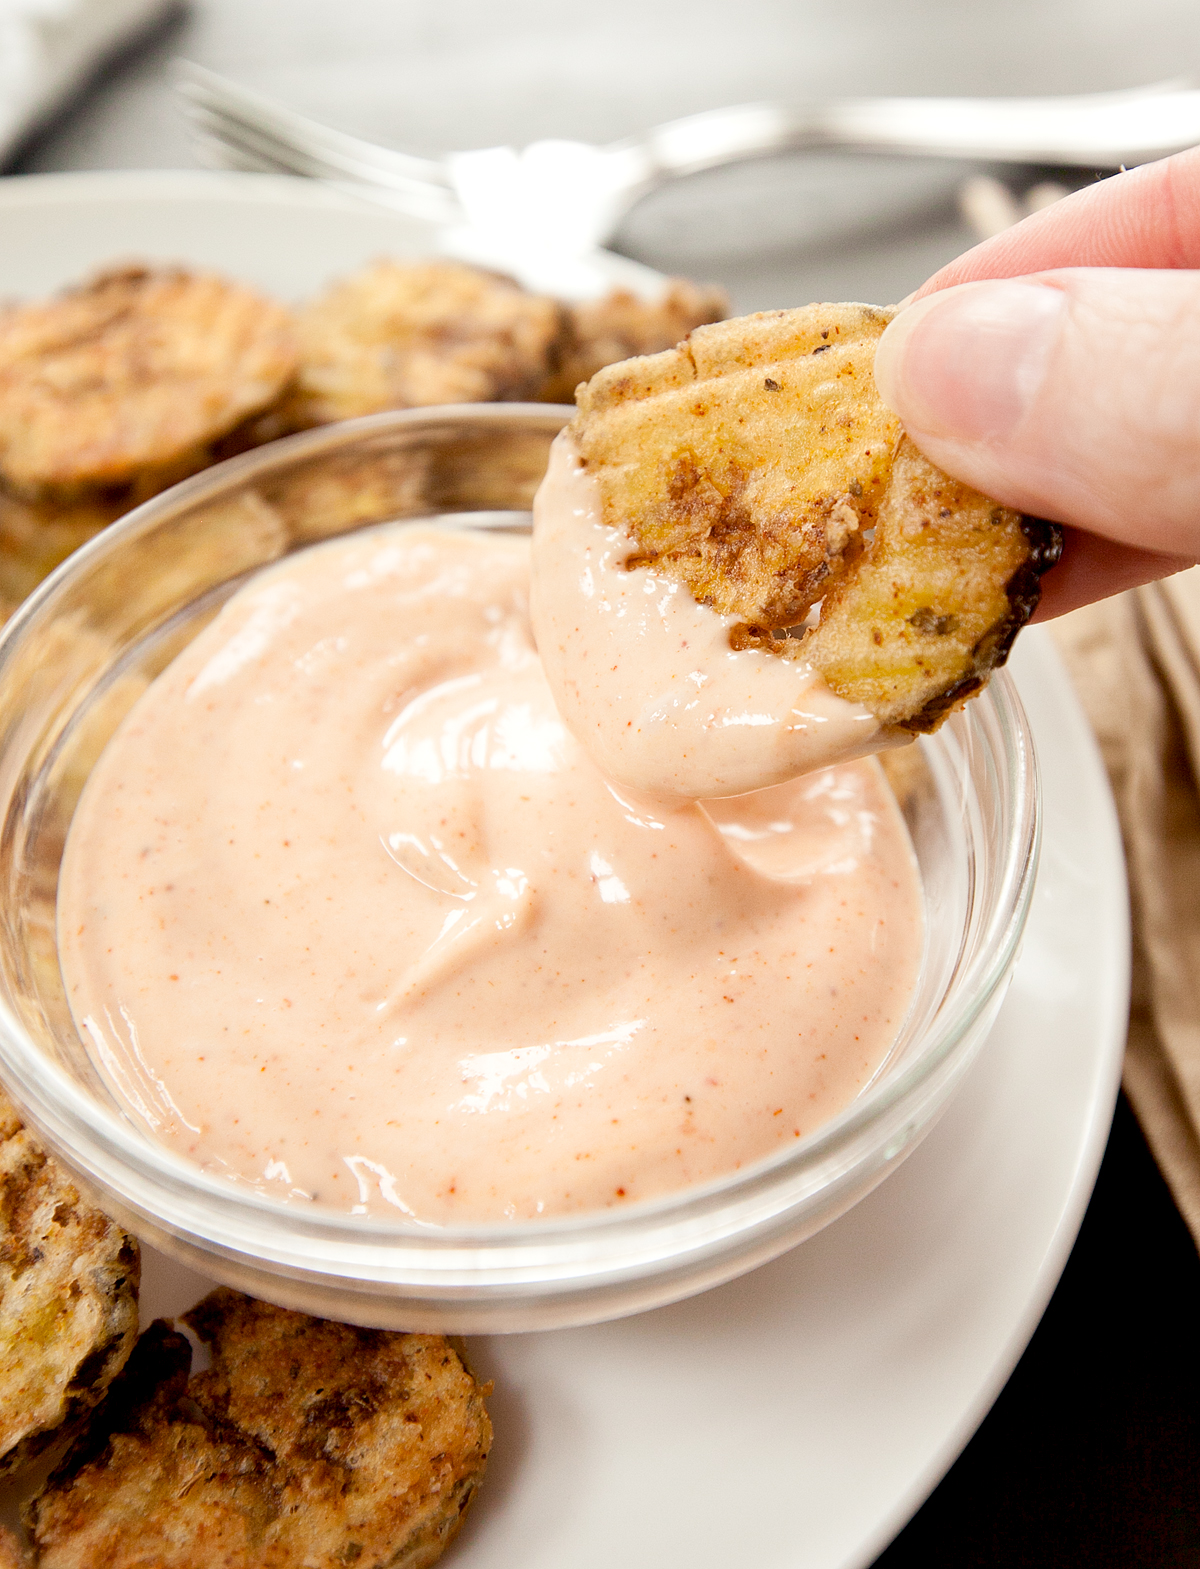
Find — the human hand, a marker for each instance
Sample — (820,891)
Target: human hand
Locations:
(1056,367)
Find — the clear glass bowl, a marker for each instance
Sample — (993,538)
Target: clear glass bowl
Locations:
(73,660)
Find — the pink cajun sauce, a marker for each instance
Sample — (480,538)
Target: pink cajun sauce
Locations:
(645,676)
(346,913)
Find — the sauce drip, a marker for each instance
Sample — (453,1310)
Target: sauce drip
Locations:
(645,676)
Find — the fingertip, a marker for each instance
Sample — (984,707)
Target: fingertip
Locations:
(965,364)
(1092,568)
(889,357)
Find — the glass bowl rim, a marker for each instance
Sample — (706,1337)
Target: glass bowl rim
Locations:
(55,1097)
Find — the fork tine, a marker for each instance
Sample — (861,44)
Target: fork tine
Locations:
(215,154)
(236,129)
(217,100)
(275,152)
(229,146)
(224,146)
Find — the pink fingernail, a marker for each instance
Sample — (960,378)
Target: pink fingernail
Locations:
(967,363)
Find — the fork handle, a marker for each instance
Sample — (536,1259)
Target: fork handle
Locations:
(1101,130)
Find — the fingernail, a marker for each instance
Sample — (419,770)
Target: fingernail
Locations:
(965,364)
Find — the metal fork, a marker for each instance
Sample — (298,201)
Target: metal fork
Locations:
(563,199)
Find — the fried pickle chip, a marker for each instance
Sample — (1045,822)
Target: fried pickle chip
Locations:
(129,380)
(307,1443)
(933,606)
(619,326)
(407,335)
(68,1298)
(12,1554)
(757,465)
(36,535)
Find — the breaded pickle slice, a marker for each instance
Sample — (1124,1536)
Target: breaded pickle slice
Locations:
(36,535)
(757,464)
(307,1443)
(406,335)
(68,1298)
(746,461)
(933,605)
(621,324)
(129,379)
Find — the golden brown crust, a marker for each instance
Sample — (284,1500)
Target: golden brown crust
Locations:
(348,490)
(96,385)
(932,609)
(621,325)
(746,461)
(128,380)
(68,1298)
(407,335)
(757,464)
(36,535)
(307,1443)
(12,1554)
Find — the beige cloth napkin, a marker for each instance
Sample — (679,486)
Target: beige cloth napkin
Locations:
(1135,661)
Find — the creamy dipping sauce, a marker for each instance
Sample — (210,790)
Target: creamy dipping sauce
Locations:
(347,913)
(645,676)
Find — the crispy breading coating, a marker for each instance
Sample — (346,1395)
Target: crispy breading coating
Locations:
(348,490)
(747,461)
(129,379)
(12,1554)
(68,1298)
(619,326)
(758,465)
(307,1443)
(407,335)
(116,389)
(932,608)
(36,535)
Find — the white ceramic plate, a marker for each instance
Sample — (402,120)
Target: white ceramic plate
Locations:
(287,236)
(796,1418)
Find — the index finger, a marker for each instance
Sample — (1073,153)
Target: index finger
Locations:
(1147,217)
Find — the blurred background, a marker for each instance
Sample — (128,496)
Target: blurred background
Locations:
(434,75)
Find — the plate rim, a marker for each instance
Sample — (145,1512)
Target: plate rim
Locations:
(1077,740)
(171,185)
(1035,661)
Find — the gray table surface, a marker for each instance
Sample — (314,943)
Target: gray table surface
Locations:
(439,74)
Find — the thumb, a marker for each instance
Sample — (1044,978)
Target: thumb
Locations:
(1072,395)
